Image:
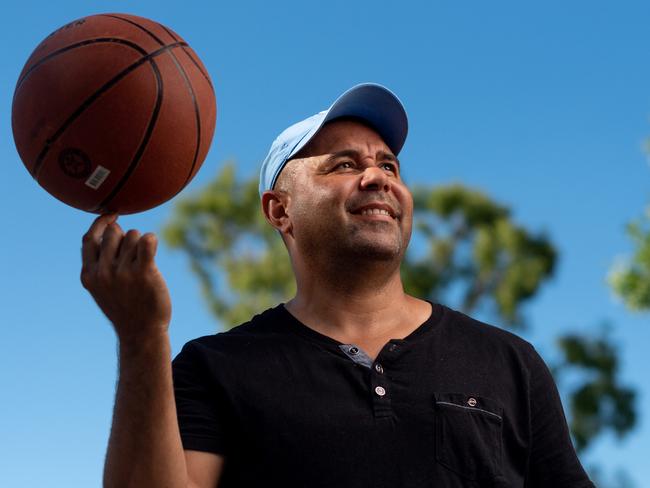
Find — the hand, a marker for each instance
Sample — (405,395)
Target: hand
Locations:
(120,273)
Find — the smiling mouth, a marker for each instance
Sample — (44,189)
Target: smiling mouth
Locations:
(378,213)
(375,211)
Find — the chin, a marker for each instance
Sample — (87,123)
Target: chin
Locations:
(376,241)
(378,249)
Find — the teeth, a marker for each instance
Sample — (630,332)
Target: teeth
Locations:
(374,211)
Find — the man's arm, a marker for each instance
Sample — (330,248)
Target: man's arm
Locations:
(204,468)
(553,459)
(145,448)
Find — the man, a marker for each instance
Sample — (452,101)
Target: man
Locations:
(352,383)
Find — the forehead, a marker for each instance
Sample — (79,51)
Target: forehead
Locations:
(344,134)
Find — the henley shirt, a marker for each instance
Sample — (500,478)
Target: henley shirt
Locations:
(456,403)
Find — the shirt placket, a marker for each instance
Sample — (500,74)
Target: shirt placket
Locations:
(380,384)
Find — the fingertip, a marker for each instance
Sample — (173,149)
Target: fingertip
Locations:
(133,234)
(147,247)
(104,220)
(115,226)
(150,238)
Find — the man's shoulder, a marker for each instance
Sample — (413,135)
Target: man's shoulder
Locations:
(265,326)
(472,330)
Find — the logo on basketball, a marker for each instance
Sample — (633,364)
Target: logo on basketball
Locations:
(74,163)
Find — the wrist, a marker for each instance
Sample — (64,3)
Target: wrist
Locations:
(149,341)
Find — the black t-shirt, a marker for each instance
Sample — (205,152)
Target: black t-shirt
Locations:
(456,403)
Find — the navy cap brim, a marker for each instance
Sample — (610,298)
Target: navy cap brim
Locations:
(377,105)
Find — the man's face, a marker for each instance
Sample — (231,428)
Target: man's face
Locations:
(346,195)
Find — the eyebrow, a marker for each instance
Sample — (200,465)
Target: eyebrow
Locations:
(351,153)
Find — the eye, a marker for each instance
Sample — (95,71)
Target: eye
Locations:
(389,167)
(343,165)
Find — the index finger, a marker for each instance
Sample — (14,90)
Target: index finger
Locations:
(92,239)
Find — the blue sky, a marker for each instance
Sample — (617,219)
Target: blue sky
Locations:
(543,106)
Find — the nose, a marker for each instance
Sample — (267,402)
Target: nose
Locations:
(374,179)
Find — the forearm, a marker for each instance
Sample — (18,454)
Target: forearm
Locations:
(145,448)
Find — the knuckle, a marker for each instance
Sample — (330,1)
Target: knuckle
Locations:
(110,230)
(122,274)
(146,272)
(104,275)
(86,278)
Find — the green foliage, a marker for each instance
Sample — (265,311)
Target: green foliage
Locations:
(222,228)
(476,248)
(631,280)
(598,402)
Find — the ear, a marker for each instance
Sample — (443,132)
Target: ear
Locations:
(275,206)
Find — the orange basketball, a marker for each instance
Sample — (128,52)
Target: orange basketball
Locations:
(113,112)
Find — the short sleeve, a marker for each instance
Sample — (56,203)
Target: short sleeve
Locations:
(200,404)
(553,460)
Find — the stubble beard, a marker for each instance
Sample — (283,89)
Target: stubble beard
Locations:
(373,241)
(350,245)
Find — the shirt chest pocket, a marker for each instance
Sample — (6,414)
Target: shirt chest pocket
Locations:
(468,435)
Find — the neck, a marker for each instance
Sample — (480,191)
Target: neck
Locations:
(356,301)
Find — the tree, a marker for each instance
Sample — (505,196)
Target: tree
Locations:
(630,279)
(466,251)
(597,400)
(475,252)
(239,259)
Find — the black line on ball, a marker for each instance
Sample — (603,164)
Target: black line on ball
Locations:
(177,39)
(198,66)
(169,32)
(205,75)
(197,115)
(187,84)
(48,142)
(141,27)
(91,99)
(74,46)
(143,145)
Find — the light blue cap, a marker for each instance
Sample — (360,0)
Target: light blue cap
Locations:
(371,102)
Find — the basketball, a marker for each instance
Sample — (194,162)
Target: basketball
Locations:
(113,113)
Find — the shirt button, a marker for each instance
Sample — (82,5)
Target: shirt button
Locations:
(472,402)
(392,348)
(354,350)
(379,368)
(380,391)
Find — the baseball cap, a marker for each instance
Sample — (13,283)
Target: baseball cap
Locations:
(371,102)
